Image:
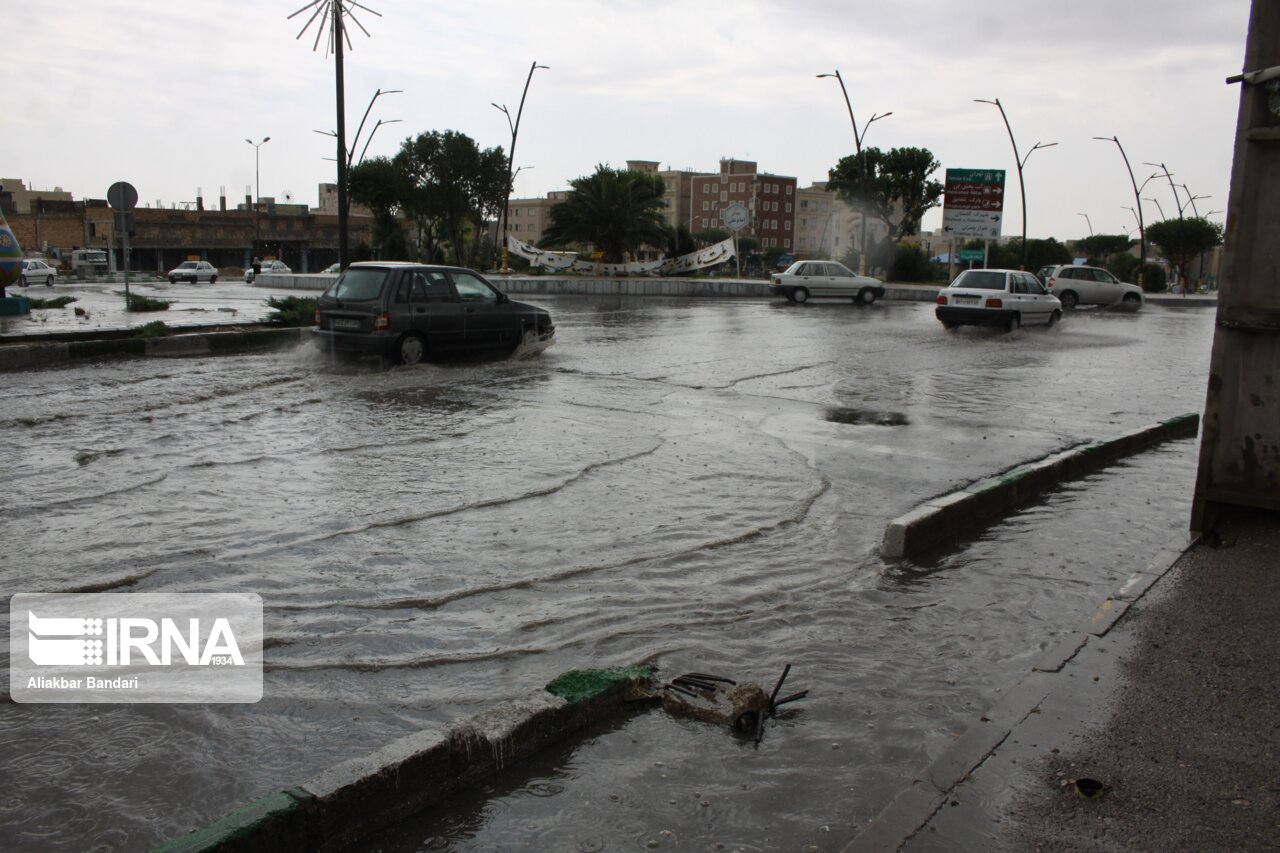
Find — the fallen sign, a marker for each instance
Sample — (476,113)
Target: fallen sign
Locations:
(716,699)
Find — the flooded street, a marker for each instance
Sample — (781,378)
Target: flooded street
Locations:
(698,484)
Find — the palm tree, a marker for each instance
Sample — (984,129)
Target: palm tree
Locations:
(614,210)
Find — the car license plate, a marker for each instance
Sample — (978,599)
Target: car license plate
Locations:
(339,323)
(965,300)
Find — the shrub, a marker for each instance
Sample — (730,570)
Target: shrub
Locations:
(154,329)
(293,311)
(56,302)
(136,302)
(1154,279)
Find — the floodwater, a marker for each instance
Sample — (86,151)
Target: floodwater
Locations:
(697,484)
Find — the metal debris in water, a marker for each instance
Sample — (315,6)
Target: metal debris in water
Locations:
(716,699)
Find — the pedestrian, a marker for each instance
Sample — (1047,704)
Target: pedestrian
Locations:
(257,267)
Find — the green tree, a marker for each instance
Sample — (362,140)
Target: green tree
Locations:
(453,188)
(679,240)
(1182,240)
(380,186)
(614,210)
(898,190)
(1098,247)
(711,236)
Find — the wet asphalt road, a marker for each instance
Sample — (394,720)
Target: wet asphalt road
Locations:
(700,484)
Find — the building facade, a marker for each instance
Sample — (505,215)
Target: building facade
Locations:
(770,201)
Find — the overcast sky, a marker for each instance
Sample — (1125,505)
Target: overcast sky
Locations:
(164,94)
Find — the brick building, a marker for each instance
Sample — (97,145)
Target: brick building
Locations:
(305,240)
(769,199)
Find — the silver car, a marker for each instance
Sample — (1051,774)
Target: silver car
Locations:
(194,272)
(36,271)
(268,267)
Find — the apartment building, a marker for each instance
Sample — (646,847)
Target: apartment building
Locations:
(678,192)
(769,199)
(828,227)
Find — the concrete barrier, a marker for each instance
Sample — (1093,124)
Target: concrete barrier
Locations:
(957,513)
(361,796)
(183,344)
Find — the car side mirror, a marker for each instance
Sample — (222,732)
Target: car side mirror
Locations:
(502,297)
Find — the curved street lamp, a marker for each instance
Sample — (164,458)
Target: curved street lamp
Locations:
(511,155)
(862,163)
(1022,186)
(1165,173)
(1087,222)
(1156,202)
(257,187)
(1137,197)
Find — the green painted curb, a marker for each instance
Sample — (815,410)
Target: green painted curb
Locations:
(273,823)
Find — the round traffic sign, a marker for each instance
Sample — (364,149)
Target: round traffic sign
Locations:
(736,217)
(122,196)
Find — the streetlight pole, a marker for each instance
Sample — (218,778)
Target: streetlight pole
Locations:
(1156,202)
(862,163)
(257,187)
(1164,172)
(1087,222)
(511,155)
(1022,186)
(1137,197)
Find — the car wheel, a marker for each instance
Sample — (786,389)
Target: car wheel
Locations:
(22,281)
(173,279)
(1068,299)
(1013,323)
(950,325)
(866,296)
(48,282)
(800,294)
(1131,300)
(1054,318)
(410,349)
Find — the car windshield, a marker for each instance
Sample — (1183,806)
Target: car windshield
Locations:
(357,284)
(981,279)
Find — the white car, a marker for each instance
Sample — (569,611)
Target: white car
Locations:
(37,271)
(194,272)
(272,266)
(825,278)
(1080,285)
(1007,298)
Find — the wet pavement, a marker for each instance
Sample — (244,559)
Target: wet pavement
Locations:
(102,308)
(700,484)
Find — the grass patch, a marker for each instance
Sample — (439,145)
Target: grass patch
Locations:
(135,302)
(293,310)
(56,302)
(582,684)
(154,329)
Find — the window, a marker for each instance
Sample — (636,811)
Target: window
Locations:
(431,287)
(472,288)
(981,279)
(789,189)
(724,196)
(786,244)
(706,205)
(787,224)
(788,207)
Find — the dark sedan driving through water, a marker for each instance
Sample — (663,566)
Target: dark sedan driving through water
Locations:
(405,312)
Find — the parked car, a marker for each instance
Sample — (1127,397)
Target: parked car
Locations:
(1080,285)
(404,312)
(1008,298)
(333,269)
(36,271)
(272,266)
(825,278)
(194,272)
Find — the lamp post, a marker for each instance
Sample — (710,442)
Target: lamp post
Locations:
(257,187)
(1022,187)
(1087,222)
(511,155)
(1164,173)
(862,163)
(1156,202)
(1137,197)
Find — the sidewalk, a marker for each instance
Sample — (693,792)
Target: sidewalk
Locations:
(1171,700)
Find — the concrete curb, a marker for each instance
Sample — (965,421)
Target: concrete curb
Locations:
(25,356)
(956,513)
(361,796)
(916,805)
